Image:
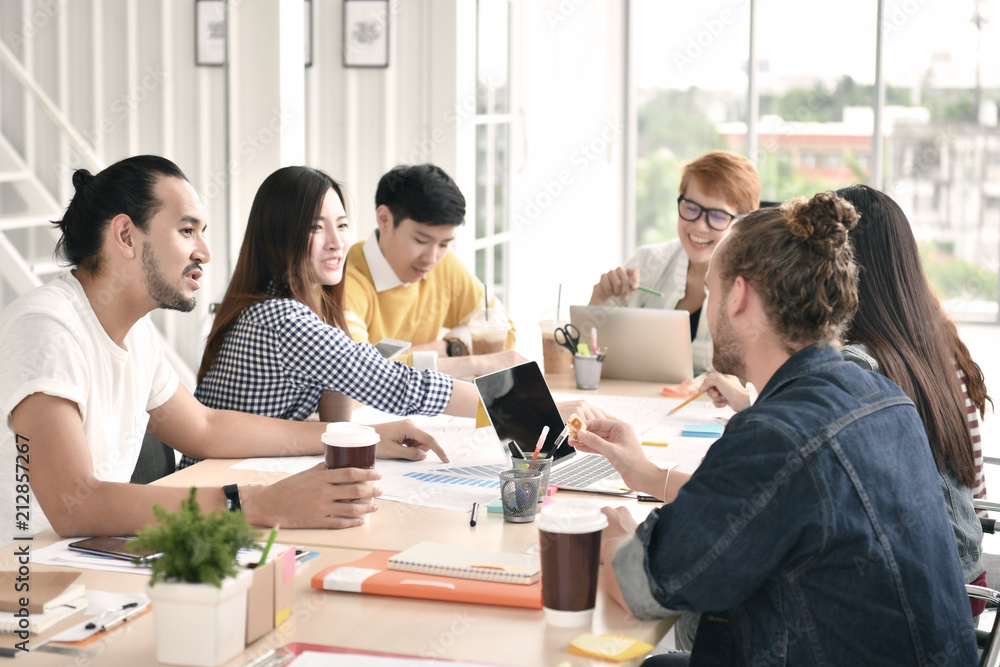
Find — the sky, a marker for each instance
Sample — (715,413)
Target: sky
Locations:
(705,44)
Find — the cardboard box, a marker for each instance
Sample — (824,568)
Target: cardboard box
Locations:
(269,599)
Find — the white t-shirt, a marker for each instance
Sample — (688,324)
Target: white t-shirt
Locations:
(53,343)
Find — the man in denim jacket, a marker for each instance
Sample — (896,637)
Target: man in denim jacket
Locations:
(814,531)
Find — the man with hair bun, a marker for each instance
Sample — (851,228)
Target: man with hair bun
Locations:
(814,530)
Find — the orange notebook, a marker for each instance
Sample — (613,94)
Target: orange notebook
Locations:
(371,575)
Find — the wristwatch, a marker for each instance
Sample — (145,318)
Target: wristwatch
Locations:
(232,497)
(456,348)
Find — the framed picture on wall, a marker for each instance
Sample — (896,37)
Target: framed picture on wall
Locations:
(210,32)
(366,33)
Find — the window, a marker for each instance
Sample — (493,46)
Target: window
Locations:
(493,136)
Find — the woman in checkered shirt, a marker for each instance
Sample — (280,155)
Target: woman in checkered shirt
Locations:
(278,344)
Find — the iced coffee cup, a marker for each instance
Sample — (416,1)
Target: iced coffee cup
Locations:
(489,331)
(569,534)
(555,357)
(350,446)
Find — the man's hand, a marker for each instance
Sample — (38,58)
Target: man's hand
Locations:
(620,282)
(479,364)
(310,499)
(621,527)
(617,441)
(582,408)
(726,390)
(403,440)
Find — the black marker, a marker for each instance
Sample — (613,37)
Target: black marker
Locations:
(475,514)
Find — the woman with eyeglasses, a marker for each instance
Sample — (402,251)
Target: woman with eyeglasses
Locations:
(716,189)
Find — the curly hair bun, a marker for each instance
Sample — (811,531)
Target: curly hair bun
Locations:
(822,221)
(81,179)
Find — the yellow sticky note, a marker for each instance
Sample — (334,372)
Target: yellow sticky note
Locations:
(482,419)
(616,648)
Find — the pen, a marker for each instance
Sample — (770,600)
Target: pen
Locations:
(561,438)
(475,514)
(650,443)
(642,498)
(515,451)
(541,441)
(685,403)
(115,620)
(267,548)
(649,291)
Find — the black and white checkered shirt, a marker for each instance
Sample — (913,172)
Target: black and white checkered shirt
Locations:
(278,357)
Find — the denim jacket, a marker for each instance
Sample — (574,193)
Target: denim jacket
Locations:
(815,527)
(957,498)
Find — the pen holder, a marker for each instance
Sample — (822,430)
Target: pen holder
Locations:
(518,494)
(543,466)
(588,371)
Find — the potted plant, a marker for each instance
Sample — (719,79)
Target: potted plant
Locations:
(199,602)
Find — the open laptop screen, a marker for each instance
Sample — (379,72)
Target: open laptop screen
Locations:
(519,405)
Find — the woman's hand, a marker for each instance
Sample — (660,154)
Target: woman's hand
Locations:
(620,282)
(403,440)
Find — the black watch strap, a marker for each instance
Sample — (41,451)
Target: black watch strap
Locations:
(232,497)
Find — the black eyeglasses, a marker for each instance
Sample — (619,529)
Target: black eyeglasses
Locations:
(716,218)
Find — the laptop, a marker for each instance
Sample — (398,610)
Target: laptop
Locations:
(519,405)
(643,344)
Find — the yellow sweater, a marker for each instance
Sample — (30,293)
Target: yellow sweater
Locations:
(445,298)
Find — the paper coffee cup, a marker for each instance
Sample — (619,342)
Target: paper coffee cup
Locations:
(569,534)
(350,445)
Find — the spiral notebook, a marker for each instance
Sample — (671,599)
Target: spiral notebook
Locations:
(452,561)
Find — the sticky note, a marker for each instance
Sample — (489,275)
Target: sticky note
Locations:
(703,430)
(617,648)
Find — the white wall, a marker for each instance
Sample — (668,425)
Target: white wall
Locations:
(124,72)
(569,200)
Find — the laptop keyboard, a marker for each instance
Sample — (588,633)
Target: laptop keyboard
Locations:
(581,473)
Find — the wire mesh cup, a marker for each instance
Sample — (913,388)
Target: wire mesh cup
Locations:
(519,494)
(542,465)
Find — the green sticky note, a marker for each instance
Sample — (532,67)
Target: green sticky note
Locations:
(583,349)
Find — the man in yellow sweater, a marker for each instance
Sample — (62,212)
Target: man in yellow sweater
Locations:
(404,283)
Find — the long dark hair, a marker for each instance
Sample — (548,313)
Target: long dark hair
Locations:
(905,328)
(273,258)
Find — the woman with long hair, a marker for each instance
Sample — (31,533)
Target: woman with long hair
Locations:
(902,332)
(278,345)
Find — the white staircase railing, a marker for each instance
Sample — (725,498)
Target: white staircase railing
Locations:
(23,274)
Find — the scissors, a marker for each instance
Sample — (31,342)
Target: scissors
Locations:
(570,337)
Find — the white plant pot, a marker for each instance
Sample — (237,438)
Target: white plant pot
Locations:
(199,624)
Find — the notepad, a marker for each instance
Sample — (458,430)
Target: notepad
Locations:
(466,563)
(39,623)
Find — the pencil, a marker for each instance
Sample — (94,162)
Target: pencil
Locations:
(650,443)
(685,403)
(650,291)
